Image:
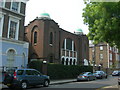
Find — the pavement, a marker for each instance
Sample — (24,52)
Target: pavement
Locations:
(54,82)
(114,87)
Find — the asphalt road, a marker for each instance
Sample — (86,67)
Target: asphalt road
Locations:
(89,84)
(82,84)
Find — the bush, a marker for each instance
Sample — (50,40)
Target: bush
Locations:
(59,71)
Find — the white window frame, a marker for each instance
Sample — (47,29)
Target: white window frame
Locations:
(19,5)
(101,56)
(101,48)
(3,5)
(17,30)
(1,27)
(110,56)
(110,48)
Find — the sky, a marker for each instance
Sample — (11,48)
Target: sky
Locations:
(67,13)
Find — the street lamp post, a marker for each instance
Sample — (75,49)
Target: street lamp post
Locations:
(44,67)
(94,57)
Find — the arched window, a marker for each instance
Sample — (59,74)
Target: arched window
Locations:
(34,33)
(67,61)
(10,58)
(63,61)
(69,44)
(70,61)
(74,62)
(35,37)
(51,38)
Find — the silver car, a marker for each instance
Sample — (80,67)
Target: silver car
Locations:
(100,74)
(86,76)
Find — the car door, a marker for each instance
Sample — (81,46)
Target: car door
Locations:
(39,77)
(30,77)
(90,76)
(103,74)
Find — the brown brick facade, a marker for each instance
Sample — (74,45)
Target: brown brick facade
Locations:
(9,14)
(110,58)
(57,51)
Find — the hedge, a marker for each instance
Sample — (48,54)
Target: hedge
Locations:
(59,71)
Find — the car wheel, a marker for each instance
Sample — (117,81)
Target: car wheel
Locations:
(106,77)
(46,83)
(24,85)
(88,79)
(95,78)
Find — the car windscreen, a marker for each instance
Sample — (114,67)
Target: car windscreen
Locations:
(96,72)
(115,71)
(84,73)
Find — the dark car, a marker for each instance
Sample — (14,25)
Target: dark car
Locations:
(116,73)
(100,74)
(86,76)
(22,78)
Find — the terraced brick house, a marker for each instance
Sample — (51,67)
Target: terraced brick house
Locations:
(13,48)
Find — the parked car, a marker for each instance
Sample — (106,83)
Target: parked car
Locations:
(100,74)
(22,78)
(86,76)
(116,73)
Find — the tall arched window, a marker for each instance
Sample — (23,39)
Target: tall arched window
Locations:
(63,61)
(67,61)
(34,34)
(10,58)
(35,37)
(74,62)
(70,61)
(51,38)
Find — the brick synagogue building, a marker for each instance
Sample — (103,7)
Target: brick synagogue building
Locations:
(51,43)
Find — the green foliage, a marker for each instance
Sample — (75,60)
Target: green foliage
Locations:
(59,71)
(103,19)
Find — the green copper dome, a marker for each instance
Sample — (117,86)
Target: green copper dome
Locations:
(45,15)
(79,30)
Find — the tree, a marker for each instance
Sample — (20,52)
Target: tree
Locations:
(103,20)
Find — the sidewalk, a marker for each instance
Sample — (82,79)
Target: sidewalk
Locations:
(114,87)
(52,82)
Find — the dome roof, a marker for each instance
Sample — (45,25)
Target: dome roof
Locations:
(45,15)
(79,30)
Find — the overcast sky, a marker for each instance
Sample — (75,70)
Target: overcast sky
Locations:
(67,13)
